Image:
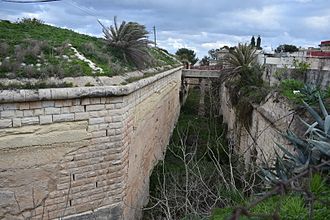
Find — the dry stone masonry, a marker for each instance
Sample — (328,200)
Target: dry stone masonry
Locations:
(84,153)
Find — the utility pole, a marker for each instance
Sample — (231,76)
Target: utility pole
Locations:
(155,40)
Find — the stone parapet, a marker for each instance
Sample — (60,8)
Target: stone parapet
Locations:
(8,96)
(84,153)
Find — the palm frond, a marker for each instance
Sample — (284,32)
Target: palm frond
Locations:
(130,39)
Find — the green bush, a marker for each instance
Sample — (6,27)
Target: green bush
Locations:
(290,207)
(288,86)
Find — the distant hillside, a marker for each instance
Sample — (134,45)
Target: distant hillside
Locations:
(30,49)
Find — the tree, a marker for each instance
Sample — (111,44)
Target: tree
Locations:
(259,43)
(253,42)
(243,56)
(185,54)
(130,40)
(205,61)
(213,54)
(286,48)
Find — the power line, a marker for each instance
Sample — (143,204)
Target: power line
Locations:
(36,1)
(85,10)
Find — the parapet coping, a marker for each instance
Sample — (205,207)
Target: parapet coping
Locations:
(9,96)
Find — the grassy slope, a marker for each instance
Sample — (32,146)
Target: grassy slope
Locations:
(13,35)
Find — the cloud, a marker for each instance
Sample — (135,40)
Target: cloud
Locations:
(319,23)
(195,24)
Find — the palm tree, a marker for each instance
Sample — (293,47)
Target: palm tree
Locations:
(242,56)
(130,40)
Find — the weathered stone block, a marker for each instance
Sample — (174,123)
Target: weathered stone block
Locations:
(65,110)
(34,105)
(63,103)
(8,114)
(77,108)
(30,121)
(93,121)
(85,101)
(99,134)
(98,114)
(46,104)
(28,113)
(6,123)
(52,111)
(45,119)
(37,112)
(24,105)
(95,101)
(17,122)
(63,117)
(81,116)
(95,107)
(10,106)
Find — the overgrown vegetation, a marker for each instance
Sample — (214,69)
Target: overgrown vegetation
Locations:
(200,171)
(130,42)
(299,177)
(37,85)
(186,56)
(31,49)
(245,83)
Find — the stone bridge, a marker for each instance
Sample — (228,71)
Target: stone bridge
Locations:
(85,153)
(194,73)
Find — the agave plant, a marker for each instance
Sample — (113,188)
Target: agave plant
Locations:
(311,149)
(130,39)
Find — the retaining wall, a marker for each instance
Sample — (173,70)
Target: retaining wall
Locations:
(258,142)
(84,153)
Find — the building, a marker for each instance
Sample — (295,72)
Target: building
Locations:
(322,52)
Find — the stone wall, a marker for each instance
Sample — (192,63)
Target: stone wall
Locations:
(258,142)
(319,78)
(84,153)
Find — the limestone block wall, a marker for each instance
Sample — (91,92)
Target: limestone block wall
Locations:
(258,143)
(319,77)
(84,153)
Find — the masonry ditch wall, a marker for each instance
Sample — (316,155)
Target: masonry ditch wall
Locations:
(258,143)
(317,77)
(84,153)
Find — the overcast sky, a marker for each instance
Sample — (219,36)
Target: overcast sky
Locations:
(196,24)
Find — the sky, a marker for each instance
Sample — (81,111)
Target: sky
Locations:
(199,25)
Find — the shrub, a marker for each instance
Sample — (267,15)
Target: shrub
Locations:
(130,41)
(31,21)
(4,49)
(288,86)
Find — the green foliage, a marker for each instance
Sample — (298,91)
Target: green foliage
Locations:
(38,85)
(281,74)
(130,40)
(297,92)
(286,48)
(253,42)
(31,49)
(246,86)
(213,53)
(287,87)
(31,21)
(242,58)
(259,43)
(162,57)
(300,70)
(205,61)
(196,174)
(312,149)
(185,55)
(290,207)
